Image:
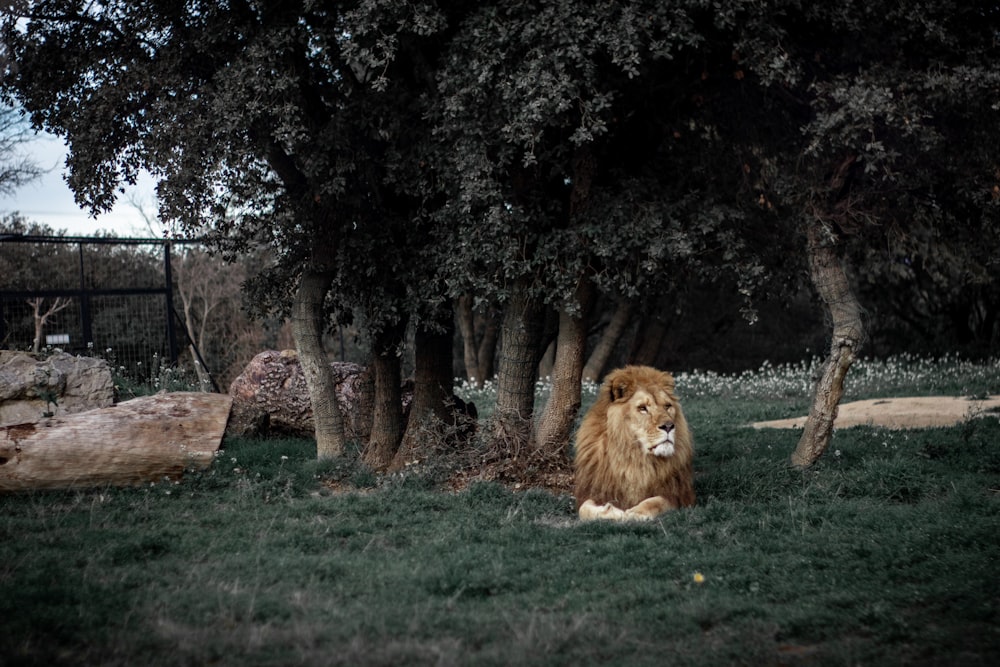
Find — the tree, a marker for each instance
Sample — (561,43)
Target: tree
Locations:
(863,107)
(478,328)
(556,115)
(42,317)
(25,266)
(221,336)
(272,125)
(399,158)
(553,429)
(616,326)
(16,168)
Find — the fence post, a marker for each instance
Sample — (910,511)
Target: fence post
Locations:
(86,320)
(168,277)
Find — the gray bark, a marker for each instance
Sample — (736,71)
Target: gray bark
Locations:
(831,283)
(606,345)
(431,411)
(467,327)
(387,414)
(307,329)
(522,328)
(556,424)
(487,346)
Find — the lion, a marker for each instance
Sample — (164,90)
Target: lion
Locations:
(634,449)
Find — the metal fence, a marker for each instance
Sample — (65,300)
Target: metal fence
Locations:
(106,297)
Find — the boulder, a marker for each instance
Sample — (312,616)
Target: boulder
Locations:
(32,388)
(270,397)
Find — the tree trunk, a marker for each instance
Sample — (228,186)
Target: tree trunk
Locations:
(478,358)
(651,334)
(432,409)
(307,329)
(556,423)
(467,327)
(522,329)
(204,379)
(387,413)
(606,345)
(552,436)
(548,361)
(831,283)
(488,345)
(141,440)
(41,319)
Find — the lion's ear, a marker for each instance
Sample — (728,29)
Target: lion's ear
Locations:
(620,386)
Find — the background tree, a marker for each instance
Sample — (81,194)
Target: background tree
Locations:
(42,312)
(30,267)
(266,125)
(221,337)
(544,156)
(16,167)
(210,300)
(478,329)
(856,111)
(573,178)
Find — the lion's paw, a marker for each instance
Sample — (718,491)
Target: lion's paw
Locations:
(591,510)
(649,509)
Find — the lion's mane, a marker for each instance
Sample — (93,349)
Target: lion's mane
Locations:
(610,465)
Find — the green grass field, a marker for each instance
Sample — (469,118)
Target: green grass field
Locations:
(886,553)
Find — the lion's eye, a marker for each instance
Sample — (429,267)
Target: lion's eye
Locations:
(643,408)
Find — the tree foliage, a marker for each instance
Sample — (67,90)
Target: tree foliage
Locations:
(546,105)
(398,156)
(877,96)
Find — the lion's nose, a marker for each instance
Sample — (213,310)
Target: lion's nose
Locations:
(667,428)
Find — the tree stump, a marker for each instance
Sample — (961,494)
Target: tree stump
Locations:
(141,440)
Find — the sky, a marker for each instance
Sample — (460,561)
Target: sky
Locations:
(48,200)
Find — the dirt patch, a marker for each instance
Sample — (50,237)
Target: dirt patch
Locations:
(551,472)
(903,413)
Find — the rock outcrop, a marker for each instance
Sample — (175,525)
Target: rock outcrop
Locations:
(270,397)
(32,388)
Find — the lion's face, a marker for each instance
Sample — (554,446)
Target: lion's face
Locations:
(648,411)
(650,417)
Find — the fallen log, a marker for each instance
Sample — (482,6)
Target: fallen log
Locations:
(141,440)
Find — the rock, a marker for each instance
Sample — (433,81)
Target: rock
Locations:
(32,388)
(270,397)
